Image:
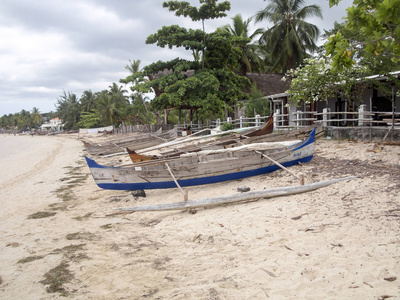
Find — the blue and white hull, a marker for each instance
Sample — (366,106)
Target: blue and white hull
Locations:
(202,168)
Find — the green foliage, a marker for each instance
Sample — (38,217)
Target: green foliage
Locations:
(378,21)
(333,2)
(170,36)
(36,117)
(138,112)
(257,105)
(90,119)
(69,110)
(291,36)
(209,10)
(250,60)
(92,109)
(377,64)
(227,126)
(317,80)
(109,109)
(209,87)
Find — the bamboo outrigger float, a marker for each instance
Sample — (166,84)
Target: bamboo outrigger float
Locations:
(204,167)
(206,202)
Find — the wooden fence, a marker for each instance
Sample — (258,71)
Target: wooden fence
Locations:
(360,118)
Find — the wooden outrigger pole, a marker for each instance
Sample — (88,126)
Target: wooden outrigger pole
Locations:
(184,193)
(299,177)
(206,202)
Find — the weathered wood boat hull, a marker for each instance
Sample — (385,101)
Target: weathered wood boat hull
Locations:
(190,171)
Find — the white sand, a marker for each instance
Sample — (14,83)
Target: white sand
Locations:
(339,242)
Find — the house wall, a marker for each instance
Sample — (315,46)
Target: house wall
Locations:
(367,98)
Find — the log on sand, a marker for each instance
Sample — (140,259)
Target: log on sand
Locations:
(283,191)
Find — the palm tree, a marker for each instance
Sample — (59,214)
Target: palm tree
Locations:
(69,110)
(249,60)
(24,119)
(88,100)
(36,117)
(117,94)
(109,109)
(290,36)
(134,68)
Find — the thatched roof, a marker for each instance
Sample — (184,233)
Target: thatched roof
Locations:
(269,84)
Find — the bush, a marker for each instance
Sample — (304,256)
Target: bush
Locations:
(227,126)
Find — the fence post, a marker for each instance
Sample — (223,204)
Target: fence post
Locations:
(218,124)
(229,120)
(276,119)
(361,115)
(241,121)
(326,117)
(298,118)
(258,120)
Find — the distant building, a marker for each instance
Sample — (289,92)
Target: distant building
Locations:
(55,124)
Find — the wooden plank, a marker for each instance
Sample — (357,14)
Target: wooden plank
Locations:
(206,202)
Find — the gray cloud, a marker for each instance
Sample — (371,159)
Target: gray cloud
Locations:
(49,46)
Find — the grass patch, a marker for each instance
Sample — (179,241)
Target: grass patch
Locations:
(56,278)
(64,193)
(67,196)
(67,250)
(58,206)
(62,189)
(71,252)
(106,226)
(74,170)
(83,217)
(42,214)
(78,180)
(30,258)
(81,236)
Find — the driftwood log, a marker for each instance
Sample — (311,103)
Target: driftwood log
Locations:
(283,191)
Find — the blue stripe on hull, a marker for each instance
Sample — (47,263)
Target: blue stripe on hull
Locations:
(199,181)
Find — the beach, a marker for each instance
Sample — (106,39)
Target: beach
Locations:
(61,238)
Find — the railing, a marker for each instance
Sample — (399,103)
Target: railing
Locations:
(362,117)
(242,122)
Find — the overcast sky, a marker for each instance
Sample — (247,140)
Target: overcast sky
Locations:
(51,46)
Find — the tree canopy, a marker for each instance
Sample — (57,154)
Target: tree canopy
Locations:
(317,81)
(291,36)
(209,87)
(379,23)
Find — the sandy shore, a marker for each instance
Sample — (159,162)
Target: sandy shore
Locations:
(338,242)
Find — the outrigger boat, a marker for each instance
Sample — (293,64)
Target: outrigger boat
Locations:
(119,145)
(194,143)
(204,167)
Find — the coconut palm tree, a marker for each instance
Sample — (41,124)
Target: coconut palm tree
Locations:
(36,117)
(69,110)
(250,60)
(134,68)
(291,36)
(88,100)
(108,108)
